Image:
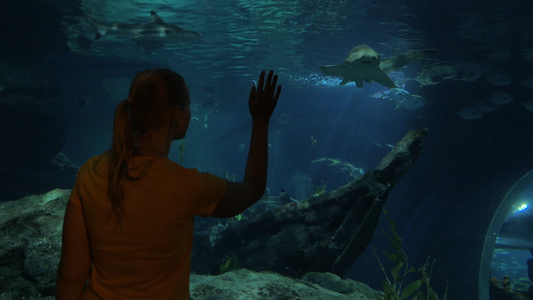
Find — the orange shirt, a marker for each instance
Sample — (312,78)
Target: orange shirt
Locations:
(148,257)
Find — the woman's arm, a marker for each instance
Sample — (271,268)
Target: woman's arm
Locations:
(74,267)
(241,195)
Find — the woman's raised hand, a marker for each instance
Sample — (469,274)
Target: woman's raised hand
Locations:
(264,98)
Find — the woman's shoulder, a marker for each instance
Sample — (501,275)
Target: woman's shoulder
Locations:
(96,161)
(96,158)
(171,166)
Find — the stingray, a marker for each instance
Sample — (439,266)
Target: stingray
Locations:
(363,64)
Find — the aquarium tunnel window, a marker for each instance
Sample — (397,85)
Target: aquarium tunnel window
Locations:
(506,266)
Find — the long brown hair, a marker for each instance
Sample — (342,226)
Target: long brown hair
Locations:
(152,94)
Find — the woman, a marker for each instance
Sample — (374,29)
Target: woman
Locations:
(129,220)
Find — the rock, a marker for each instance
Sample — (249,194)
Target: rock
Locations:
(247,284)
(323,234)
(30,244)
(333,173)
(329,281)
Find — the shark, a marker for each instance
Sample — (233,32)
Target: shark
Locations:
(364,65)
(155,30)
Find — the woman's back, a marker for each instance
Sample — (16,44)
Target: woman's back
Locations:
(145,255)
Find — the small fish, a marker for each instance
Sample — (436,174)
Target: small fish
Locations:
(501,98)
(277,201)
(404,99)
(383,145)
(413,102)
(501,80)
(528,83)
(487,106)
(528,104)
(478,110)
(396,95)
(470,113)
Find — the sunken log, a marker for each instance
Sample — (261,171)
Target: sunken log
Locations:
(322,234)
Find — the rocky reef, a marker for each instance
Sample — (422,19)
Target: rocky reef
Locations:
(247,284)
(30,244)
(30,247)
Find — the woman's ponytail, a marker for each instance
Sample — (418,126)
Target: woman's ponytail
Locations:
(120,154)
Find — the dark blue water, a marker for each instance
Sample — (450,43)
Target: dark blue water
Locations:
(444,204)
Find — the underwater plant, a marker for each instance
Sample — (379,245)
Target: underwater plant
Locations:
(313,141)
(236,219)
(393,286)
(181,151)
(319,189)
(231,178)
(231,263)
